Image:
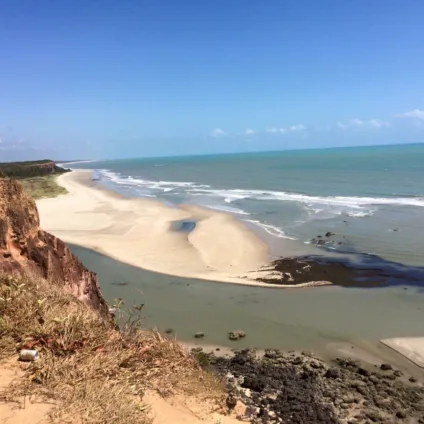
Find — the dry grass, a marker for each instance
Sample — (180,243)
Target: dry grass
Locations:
(88,367)
(42,187)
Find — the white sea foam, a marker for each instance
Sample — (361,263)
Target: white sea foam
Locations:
(113,176)
(165,186)
(360,214)
(271,229)
(319,206)
(225,208)
(240,201)
(328,211)
(323,200)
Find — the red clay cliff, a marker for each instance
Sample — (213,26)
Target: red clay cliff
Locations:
(26,248)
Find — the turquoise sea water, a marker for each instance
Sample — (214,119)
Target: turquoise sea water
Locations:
(371,197)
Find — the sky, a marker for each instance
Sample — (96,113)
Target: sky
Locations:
(132,78)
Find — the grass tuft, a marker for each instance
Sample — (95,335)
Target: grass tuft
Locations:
(90,368)
(42,187)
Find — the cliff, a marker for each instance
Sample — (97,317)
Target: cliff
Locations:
(26,248)
(31,169)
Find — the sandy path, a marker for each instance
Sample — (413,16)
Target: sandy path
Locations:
(173,410)
(185,410)
(22,410)
(137,232)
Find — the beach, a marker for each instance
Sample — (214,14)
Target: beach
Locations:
(147,252)
(372,204)
(150,235)
(141,232)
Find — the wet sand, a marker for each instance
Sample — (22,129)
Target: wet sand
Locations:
(410,347)
(185,240)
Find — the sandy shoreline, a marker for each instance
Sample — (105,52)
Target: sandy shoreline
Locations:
(139,232)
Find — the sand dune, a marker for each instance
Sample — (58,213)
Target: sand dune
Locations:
(139,232)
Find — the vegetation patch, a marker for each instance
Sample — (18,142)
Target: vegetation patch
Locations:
(29,169)
(89,367)
(42,187)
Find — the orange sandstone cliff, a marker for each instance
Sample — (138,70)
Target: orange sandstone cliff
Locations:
(26,248)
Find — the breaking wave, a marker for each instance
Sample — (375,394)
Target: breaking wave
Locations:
(239,201)
(232,195)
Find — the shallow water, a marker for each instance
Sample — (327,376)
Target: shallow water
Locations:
(284,318)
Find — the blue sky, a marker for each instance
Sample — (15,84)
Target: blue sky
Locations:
(110,78)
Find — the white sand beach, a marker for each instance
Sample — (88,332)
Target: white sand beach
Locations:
(139,232)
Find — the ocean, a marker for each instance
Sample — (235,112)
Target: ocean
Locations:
(371,198)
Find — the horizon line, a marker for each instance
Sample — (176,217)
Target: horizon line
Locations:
(236,153)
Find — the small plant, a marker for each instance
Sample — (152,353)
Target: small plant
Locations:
(89,365)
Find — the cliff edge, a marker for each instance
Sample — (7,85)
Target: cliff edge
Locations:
(26,248)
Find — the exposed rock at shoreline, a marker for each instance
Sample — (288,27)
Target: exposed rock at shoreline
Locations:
(301,389)
(26,248)
(328,240)
(235,335)
(319,271)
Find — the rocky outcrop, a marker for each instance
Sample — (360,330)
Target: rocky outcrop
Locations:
(299,388)
(25,248)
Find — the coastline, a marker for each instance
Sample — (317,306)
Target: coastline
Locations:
(140,232)
(404,353)
(277,369)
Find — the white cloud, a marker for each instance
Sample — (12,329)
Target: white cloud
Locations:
(355,122)
(275,130)
(283,130)
(249,131)
(1,140)
(379,124)
(298,127)
(416,113)
(217,132)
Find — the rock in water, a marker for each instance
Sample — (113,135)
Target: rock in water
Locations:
(233,336)
(26,248)
(199,335)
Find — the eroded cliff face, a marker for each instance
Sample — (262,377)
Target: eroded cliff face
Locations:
(25,248)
